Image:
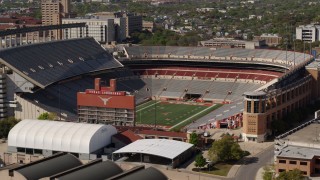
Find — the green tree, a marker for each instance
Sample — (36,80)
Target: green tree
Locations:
(295,174)
(48,116)
(6,125)
(200,161)
(267,174)
(225,149)
(193,139)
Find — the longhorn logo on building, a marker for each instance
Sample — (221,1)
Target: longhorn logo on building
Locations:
(105,100)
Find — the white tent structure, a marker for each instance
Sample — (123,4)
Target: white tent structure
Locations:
(169,149)
(60,136)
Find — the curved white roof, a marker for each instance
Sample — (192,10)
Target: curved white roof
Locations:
(60,136)
(159,147)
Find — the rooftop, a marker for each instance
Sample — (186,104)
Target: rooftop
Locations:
(308,136)
(158,147)
(127,136)
(299,152)
(60,136)
(163,133)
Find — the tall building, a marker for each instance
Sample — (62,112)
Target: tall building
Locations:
(102,30)
(308,33)
(106,105)
(132,21)
(52,13)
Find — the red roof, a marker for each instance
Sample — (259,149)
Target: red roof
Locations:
(6,26)
(127,137)
(164,133)
(135,129)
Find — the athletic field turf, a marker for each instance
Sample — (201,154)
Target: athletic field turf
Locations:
(169,114)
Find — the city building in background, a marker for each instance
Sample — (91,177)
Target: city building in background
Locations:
(52,13)
(271,39)
(232,43)
(101,30)
(308,33)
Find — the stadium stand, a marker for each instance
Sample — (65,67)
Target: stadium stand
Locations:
(47,63)
(285,59)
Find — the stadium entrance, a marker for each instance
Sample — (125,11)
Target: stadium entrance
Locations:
(191,97)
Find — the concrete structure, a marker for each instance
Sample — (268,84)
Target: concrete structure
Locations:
(279,97)
(106,105)
(232,43)
(299,149)
(102,30)
(271,39)
(149,148)
(308,33)
(47,137)
(20,77)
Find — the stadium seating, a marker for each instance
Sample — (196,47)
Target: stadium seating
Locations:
(47,63)
(275,57)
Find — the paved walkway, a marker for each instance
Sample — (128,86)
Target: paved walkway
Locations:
(259,175)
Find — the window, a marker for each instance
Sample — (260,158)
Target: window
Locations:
(282,170)
(256,107)
(304,172)
(282,161)
(249,106)
(303,163)
(292,162)
(317,161)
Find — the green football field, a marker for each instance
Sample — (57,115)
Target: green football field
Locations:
(169,114)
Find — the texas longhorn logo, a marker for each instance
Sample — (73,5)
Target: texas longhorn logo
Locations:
(105,100)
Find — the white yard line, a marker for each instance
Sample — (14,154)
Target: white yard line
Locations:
(149,106)
(191,117)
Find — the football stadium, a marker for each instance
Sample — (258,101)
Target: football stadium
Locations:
(174,88)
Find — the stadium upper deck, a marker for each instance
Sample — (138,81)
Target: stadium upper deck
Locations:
(284,59)
(46,63)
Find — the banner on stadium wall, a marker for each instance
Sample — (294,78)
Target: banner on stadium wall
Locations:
(108,101)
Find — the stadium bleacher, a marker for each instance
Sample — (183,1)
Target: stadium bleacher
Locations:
(50,62)
(275,57)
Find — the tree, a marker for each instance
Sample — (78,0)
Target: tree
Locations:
(225,149)
(6,125)
(193,139)
(295,174)
(267,174)
(200,161)
(48,116)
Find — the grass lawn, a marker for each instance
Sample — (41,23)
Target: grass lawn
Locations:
(167,114)
(220,169)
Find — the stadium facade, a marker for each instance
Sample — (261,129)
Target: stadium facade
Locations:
(46,77)
(106,105)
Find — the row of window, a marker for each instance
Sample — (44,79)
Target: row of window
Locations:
(302,163)
(303,172)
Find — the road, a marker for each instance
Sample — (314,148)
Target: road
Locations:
(251,165)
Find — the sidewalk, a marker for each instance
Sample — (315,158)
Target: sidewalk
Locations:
(259,175)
